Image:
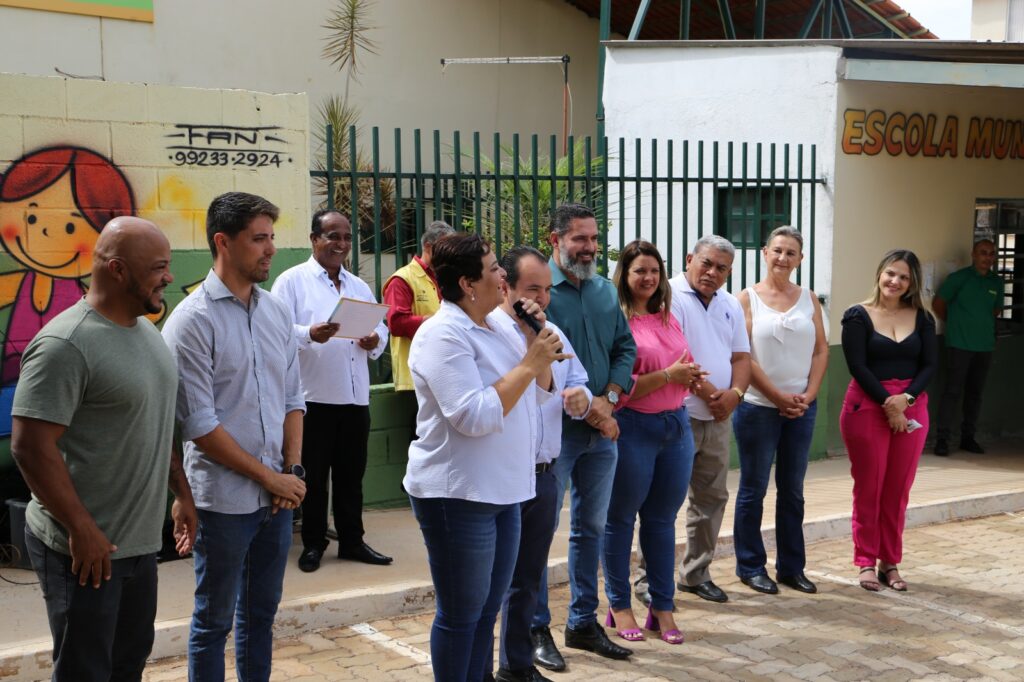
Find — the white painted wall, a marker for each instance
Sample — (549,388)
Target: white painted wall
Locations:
(767,95)
(274,46)
(988,20)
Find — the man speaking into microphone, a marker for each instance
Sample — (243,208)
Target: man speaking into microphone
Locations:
(528,278)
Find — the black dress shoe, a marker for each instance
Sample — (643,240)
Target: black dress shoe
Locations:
(941,447)
(545,653)
(309,560)
(798,582)
(364,553)
(971,445)
(592,637)
(706,590)
(761,583)
(530,674)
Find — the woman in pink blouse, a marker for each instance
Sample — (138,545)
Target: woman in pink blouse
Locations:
(655,446)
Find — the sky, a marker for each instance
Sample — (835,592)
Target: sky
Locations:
(948,19)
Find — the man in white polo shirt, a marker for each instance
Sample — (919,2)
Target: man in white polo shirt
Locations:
(713,323)
(336,385)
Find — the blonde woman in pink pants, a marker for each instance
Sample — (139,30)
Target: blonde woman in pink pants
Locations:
(890,347)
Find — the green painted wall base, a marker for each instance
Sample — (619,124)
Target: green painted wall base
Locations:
(392,428)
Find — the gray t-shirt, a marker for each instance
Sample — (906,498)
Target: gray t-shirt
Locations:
(114,389)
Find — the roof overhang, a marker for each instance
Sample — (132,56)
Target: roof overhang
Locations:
(933,73)
(897,50)
(930,62)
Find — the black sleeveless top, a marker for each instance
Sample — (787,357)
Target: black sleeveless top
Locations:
(873,357)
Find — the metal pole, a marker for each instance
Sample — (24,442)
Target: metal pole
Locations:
(603,33)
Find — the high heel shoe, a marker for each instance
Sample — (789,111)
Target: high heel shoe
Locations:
(898,584)
(630,635)
(673,636)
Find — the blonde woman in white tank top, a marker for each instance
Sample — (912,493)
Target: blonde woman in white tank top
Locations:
(775,421)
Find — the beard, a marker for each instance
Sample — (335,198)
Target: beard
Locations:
(576,268)
(258,275)
(145,297)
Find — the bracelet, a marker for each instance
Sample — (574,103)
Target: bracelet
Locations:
(668,379)
(738,392)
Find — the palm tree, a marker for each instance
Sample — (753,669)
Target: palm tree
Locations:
(348,27)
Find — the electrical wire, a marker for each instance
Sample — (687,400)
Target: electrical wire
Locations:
(9,556)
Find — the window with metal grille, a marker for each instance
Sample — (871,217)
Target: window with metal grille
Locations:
(746,215)
(1002,222)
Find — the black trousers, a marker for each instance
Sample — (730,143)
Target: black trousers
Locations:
(99,635)
(966,373)
(537,530)
(334,449)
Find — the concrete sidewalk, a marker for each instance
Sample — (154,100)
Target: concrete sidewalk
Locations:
(342,592)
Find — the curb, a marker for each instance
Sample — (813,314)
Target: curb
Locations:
(31,660)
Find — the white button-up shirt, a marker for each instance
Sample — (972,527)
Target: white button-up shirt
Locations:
(465,447)
(566,374)
(714,334)
(336,372)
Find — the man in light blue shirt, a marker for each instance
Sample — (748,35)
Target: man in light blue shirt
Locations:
(240,410)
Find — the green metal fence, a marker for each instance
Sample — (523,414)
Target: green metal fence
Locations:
(669,192)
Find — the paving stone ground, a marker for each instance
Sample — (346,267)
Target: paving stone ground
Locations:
(963,619)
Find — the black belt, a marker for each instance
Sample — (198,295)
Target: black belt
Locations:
(544,468)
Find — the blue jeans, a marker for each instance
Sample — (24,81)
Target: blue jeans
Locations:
(239,562)
(589,462)
(763,435)
(651,478)
(471,548)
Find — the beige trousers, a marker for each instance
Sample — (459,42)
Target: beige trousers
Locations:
(708,497)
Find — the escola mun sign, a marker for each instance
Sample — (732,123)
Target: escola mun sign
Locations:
(899,134)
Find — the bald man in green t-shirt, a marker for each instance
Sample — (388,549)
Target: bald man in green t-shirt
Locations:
(969,301)
(93,427)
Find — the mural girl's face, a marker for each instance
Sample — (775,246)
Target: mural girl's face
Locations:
(47,233)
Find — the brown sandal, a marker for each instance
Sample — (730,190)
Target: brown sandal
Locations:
(872,585)
(899,584)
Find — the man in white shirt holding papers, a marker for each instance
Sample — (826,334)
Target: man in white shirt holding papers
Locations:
(336,384)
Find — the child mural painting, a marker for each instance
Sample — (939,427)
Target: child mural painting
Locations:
(53,204)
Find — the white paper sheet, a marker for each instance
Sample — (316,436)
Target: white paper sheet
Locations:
(357,318)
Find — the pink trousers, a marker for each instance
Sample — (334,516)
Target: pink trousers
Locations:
(883,465)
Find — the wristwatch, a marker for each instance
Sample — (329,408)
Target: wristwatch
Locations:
(910,399)
(613,397)
(296,470)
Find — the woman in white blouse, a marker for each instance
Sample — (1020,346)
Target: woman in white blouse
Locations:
(473,460)
(775,421)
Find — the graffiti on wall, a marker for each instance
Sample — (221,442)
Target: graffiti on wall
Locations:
(222,145)
(55,199)
(53,204)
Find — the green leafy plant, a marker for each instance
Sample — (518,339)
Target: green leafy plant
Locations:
(348,27)
(346,45)
(342,117)
(544,191)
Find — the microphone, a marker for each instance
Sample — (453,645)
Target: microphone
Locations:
(530,320)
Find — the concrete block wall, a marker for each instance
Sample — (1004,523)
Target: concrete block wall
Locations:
(74,153)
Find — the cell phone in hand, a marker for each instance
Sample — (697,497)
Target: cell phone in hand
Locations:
(913,425)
